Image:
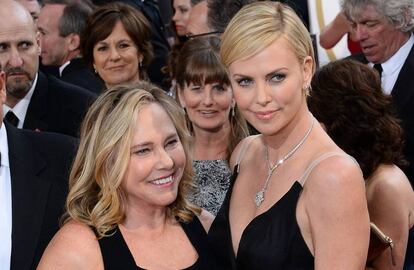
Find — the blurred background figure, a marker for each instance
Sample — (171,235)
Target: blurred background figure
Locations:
(384,32)
(204,91)
(116,43)
(33,6)
(197,21)
(127,205)
(61,23)
(347,99)
(182,9)
(35,101)
(332,33)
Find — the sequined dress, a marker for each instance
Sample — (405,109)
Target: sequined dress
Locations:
(212,179)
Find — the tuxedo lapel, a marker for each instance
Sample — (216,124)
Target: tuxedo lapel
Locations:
(37,110)
(29,197)
(404,86)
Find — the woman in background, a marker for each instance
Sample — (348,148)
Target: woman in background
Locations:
(116,43)
(297,200)
(127,206)
(214,120)
(182,10)
(348,100)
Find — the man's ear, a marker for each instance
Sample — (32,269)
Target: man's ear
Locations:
(73,42)
(3,87)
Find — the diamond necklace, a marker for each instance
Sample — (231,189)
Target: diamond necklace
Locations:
(271,168)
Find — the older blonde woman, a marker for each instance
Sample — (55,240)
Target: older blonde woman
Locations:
(127,206)
(297,200)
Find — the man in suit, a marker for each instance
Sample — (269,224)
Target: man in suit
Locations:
(60,24)
(35,101)
(384,32)
(34,169)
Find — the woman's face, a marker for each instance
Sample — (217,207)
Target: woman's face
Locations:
(208,106)
(269,86)
(116,58)
(157,160)
(182,10)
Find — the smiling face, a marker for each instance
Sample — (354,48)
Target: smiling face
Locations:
(377,36)
(157,160)
(182,10)
(116,58)
(268,86)
(208,106)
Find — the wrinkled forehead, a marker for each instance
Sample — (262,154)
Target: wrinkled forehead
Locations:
(11,32)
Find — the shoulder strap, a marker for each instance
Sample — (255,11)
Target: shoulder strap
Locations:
(244,147)
(316,162)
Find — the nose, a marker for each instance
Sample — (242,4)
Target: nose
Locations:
(165,162)
(175,17)
(263,96)
(207,98)
(114,54)
(15,59)
(360,33)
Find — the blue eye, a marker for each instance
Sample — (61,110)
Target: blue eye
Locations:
(141,152)
(278,77)
(244,82)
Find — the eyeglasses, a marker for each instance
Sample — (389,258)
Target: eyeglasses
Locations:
(190,36)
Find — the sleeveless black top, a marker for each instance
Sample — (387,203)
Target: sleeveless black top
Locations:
(117,256)
(272,240)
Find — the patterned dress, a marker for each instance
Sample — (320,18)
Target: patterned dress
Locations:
(212,179)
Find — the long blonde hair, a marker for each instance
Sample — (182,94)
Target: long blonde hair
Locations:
(95,195)
(258,25)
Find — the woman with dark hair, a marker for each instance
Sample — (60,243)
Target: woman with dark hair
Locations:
(116,43)
(203,89)
(348,100)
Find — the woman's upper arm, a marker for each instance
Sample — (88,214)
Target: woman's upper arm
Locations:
(337,210)
(73,247)
(389,209)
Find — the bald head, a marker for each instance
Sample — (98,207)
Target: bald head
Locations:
(20,50)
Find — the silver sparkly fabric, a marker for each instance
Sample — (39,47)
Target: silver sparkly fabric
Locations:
(212,179)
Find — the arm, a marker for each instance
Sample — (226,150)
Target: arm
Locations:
(389,199)
(73,247)
(332,33)
(334,199)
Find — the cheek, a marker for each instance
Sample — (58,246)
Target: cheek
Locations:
(242,98)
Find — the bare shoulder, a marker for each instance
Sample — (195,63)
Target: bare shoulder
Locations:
(206,218)
(240,151)
(389,180)
(74,246)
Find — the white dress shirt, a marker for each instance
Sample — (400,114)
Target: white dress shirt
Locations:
(392,67)
(5,202)
(20,109)
(62,67)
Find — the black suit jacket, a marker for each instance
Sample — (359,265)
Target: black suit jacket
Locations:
(79,74)
(57,106)
(39,169)
(403,98)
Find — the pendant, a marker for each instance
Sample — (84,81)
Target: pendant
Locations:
(259,198)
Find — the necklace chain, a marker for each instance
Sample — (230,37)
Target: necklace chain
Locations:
(271,168)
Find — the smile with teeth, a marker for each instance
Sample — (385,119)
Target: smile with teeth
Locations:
(163,181)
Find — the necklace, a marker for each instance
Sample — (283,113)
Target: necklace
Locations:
(271,168)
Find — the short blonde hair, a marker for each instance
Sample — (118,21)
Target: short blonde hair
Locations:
(258,25)
(95,195)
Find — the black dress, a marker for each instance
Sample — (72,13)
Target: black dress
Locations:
(117,256)
(271,240)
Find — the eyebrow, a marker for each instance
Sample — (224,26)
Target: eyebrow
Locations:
(266,76)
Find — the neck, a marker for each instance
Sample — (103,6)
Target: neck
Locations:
(70,56)
(280,144)
(211,145)
(143,218)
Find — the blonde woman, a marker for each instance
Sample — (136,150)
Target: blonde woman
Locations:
(127,206)
(297,200)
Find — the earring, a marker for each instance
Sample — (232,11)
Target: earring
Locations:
(140,64)
(307,89)
(232,111)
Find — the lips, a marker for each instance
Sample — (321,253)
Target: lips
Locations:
(162,182)
(208,113)
(265,115)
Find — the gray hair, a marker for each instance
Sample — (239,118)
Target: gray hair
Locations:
(74,16)
(398,12)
